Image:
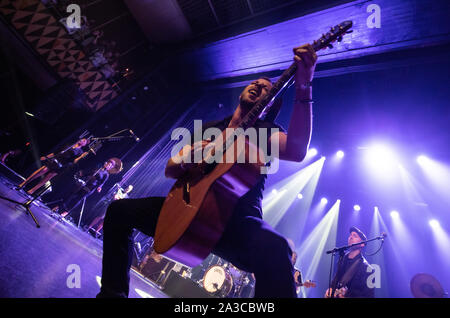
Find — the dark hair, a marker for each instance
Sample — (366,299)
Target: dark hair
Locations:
(266,78)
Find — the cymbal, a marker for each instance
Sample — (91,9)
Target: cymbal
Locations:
(426,286)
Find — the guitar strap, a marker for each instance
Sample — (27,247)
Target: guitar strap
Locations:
(350,272)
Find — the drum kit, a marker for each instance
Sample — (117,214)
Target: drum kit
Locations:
(223,279)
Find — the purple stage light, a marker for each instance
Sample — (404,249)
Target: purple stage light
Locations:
(324,201)
(312,152)
(299,196)
(422,160)
(356,207)
(381,155)
(340,154)
(434,223)
(395,215)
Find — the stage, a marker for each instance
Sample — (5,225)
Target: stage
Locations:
(44,262)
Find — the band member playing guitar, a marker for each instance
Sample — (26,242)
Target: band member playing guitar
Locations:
(352,272)
(247,240)
(297,273)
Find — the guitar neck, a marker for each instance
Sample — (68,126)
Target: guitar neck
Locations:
(335,33)
(280,85)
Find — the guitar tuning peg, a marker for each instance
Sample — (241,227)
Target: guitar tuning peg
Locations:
(349,32)
(330,46)
(339,39)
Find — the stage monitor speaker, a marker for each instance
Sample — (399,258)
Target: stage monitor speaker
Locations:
(183,287)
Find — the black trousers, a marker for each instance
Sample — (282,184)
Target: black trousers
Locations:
(248,243)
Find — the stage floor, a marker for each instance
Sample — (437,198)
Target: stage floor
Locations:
(44,262)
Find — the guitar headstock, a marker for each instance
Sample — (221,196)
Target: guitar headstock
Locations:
(335,34)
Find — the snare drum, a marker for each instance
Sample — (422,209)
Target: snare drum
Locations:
(217,281)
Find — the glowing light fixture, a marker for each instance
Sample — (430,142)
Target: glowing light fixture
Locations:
(395,215)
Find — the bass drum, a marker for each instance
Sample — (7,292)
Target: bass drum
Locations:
(218,281)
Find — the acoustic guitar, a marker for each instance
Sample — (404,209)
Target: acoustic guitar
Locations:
(196,211)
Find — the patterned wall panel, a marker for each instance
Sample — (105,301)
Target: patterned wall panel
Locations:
(49,38)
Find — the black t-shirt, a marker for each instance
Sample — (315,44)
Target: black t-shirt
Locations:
(252,199)
(357,285)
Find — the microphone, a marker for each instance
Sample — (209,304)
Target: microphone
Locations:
(134,136)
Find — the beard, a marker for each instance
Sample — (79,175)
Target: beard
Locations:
(245,103)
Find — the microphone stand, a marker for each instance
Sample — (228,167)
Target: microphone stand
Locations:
(341,250)
(114,137)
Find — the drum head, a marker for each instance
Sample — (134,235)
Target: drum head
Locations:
(214,279)
(217,281)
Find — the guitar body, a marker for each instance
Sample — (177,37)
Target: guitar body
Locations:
(188,231)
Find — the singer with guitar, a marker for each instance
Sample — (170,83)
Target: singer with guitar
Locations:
(248,241)
(219,211)
(352,272)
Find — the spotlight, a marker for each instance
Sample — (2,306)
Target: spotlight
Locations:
(395,215)
(99,280)
(421,160)
(145,88)
(324,200)
(312,152)
(340,154)
(356,207)
(299,196)
(434,223)
(381,158)
(274,191)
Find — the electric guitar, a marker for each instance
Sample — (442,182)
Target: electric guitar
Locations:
(337,292)
(196,211)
